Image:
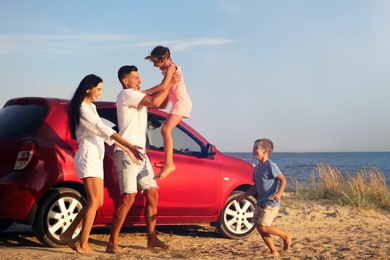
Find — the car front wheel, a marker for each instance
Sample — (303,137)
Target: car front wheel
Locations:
(56,212)
(235,219)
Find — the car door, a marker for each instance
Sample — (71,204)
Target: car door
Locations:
(112,194)
(193,190)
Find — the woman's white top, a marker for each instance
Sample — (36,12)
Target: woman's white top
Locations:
(91,134)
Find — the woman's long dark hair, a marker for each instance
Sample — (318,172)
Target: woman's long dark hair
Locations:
(88,82)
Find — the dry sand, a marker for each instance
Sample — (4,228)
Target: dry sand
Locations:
(320,231)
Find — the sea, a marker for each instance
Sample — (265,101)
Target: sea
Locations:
(302,166)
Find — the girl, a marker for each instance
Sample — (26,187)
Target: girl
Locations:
(181,102)
(86,126)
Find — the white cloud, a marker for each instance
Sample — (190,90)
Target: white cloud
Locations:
(26,43)
(230,6)
(185,44)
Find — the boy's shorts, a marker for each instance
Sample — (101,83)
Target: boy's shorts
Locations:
(131,176)
(264,216)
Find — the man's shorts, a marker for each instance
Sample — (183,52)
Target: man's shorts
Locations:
(131,176)
(264,216)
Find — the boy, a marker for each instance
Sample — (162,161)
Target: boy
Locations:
(269,183)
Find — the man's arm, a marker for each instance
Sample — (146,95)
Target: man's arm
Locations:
(164,103)
(156,100)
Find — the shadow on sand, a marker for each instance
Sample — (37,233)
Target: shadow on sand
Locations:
(18,236)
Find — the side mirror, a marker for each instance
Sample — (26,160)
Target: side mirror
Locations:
(211,151)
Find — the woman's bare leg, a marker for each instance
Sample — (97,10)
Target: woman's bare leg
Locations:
(94,189)
(66,237)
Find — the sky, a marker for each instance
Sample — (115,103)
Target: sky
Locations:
(313,76)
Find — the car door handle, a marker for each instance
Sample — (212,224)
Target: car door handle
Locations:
(159,164)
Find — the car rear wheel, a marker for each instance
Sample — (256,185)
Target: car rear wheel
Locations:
(235,219)
(55,214)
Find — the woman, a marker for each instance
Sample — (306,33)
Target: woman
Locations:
(86,126)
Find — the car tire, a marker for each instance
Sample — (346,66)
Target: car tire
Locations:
(55,214)
(5,224)
(235,219)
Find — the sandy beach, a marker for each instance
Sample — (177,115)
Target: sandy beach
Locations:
(320,231)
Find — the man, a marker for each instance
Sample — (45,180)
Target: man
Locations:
(132,112)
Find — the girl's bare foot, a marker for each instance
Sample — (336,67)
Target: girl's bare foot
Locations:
(68,241)
(287,242)
(167,169)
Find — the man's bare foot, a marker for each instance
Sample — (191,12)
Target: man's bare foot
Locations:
(287,242)
(155,242)
(274,254)
(68,241)
(112,249)
(84,250)
(166,170)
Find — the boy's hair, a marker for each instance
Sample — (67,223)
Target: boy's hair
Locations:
(266,144)
(124,70)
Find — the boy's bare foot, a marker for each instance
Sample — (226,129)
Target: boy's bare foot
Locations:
(112,250)
(84,250)
(287,242)
(155,242)
(166,170)
(68,241)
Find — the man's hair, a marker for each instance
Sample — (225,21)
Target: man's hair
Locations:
(266,144)
(124,70)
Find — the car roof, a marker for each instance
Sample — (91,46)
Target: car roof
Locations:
(62,101)
(36,100)
(51,101)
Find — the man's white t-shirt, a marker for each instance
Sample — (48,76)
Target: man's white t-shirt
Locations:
(132,119)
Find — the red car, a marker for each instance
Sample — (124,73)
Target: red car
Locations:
(39,185)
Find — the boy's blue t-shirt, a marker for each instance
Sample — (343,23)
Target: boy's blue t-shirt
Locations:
(264,177)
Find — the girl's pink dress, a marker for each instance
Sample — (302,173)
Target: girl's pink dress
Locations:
(181,102)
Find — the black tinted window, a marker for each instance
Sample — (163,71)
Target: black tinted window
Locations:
(108,116)
(21,119)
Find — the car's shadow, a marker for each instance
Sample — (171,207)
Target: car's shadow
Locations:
(194,230)
(17,239)
(24,237)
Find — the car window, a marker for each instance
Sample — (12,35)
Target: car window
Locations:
(183,142)
(108,117)
(21,119)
